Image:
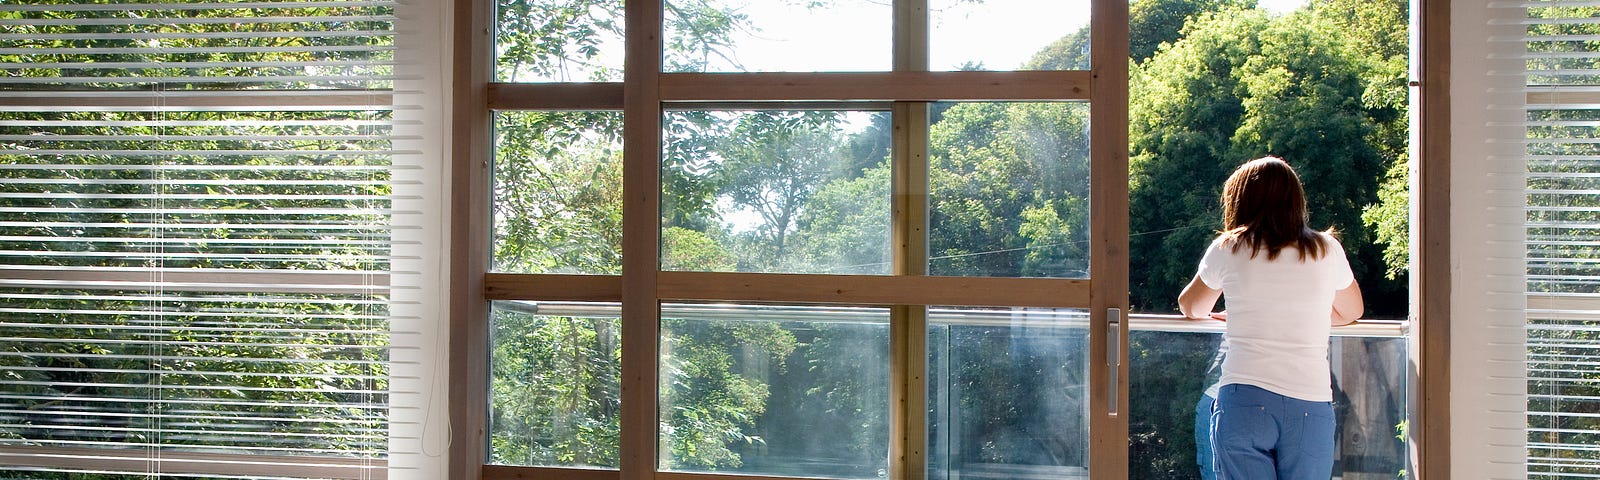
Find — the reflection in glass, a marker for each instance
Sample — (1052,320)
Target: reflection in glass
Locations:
(1006,35)
(558,41)
(1008,393)
(776,191)
(557,192)
(1009,190)
(776,36)
(775,390)
(1169,373)
(553,386)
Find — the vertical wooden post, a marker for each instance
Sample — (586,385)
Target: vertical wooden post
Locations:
(1108,265)
(469,241)
(908,327)
(908,324)
(641,219)
(1430,428)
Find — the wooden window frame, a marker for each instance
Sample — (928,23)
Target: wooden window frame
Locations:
(642,285)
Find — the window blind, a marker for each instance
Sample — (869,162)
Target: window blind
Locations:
(196,204)
(1563,237)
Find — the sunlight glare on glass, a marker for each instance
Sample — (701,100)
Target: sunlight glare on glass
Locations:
(998,34)
(786,36)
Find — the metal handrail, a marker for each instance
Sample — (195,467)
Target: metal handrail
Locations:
(1014,317)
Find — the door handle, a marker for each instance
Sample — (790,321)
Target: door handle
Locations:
(1113,356)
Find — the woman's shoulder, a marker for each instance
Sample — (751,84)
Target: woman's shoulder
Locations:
(1330,239)
(1223,241)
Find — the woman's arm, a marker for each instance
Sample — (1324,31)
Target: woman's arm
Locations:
(1197,299)
(1347,305)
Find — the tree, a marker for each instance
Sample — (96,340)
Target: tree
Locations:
(772,163)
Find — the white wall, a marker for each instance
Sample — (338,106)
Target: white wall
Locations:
(419,428)
(1487,381)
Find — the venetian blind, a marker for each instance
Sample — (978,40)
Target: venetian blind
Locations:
(1562,59)
(195,237)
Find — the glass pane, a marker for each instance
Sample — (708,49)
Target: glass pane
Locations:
(1172,376)
(558,41)
(1009,190)
(775,390)
(776,191)
(558,192)
(1008,35)
(554,384)
(777,36)
(1008,393)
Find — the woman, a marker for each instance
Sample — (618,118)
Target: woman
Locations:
(1286,285)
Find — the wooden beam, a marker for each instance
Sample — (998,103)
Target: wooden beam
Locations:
(1430,424)
(471,154)
(641,239)
(874,289)
(509,472)
(714,476)
(555,96)
(876,86)
(573,288)
(908,324)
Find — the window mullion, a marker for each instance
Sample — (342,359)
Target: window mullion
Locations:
(908,324)
(641,222)
(1108,220)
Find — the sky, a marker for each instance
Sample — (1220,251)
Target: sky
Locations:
(852,35)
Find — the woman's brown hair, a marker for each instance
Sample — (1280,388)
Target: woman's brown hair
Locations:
(1264,206)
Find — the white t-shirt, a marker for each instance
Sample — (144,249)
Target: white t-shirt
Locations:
(1278,316)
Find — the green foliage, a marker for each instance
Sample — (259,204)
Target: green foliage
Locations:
(561,41)
(1153,23)
(772,163)
(558,192)
(700,32)
(1378,33)
(990,163)
(710,397)
(844,229)
(555,390)
(1070,52)
(1161,427)
(1390,219)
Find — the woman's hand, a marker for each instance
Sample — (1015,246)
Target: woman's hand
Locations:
(1222,315)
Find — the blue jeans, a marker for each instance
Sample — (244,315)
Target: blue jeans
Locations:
(1260,435)
(1202,437)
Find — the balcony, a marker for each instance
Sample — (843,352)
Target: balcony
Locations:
(797,390)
